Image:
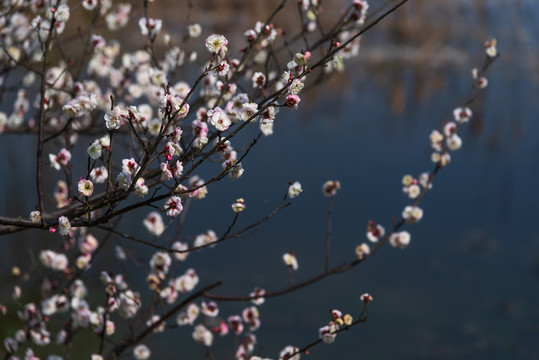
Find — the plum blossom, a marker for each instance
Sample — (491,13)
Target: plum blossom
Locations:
(141,189)
(258,296)
(202,335)
(166,173)
(154,223)
(141,352)
(362,251)
(330,188)
(302,58)
(119,17)
(248,110)
(209,309)
(64,225)
(129,303)
(287,351)
(35,216)
(482,82)
(266,126)
(361,7)
(205,239)
(258,79)
(375,231)
(400,239)
(99,174)
(216,44)
(218,118)
(410,186)
(425,180)
(150,26)
(197,183)
(436,139)
(95,150)
(88,244)
(462,115)
(160,262)
(188,317)
(236,324)
(251,316)
(295,87)
(155,319)
(172,105)
(194,30)
(412,214)
(366,298)
(53,260)
(453,142)
(115,118)
(239,205)
(89,5)
(294,190)
(222,68)
(235,169)
(63,158)
(490,48)
(180,256)
(293,101)
(130,166)
(327,333)
(85,186)
(173,206)
(124,180)
(62,13)
(290,260)
(450,128)
(186,282)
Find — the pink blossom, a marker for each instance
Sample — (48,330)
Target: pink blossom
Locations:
(236,324)
(293,101)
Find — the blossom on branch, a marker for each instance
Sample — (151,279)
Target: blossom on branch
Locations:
(202,335)
(239,205)
(218,118)
(330,188)
(99,174)
(366,298)
(63,158)
(141,352)
(115,118)
(173,206)
(290,260)
(86,187)
(287,351)
(149,26)
(294,190)
(400,240)
(412,214)
(375,231)
(216,44)
(362,251)
(35,216)
(95,150)
(64,225)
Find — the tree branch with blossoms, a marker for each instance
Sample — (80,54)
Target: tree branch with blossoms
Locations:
(154,136)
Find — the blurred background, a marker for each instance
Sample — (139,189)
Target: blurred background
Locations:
(468,284)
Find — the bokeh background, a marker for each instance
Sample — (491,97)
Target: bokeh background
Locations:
(467,286)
